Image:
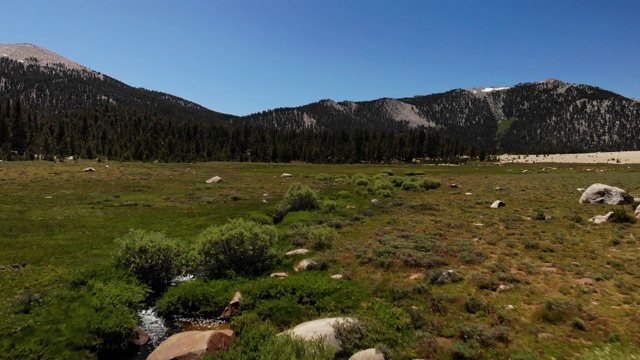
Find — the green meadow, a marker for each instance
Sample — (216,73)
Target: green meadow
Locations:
(533,279)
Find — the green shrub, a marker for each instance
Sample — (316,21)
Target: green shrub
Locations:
(196,299)
(474,305)
(396,180)
(578,323)
(301,197)
(621,216)
(410,186)
(387,171)
(150,256)
(238,248)
(322,237)
(429,184)
(414,173)
(556,311)
(260,341)
(469,350)
(329,206)
(362,182)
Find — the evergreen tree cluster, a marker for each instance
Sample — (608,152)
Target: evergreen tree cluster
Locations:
(119,133)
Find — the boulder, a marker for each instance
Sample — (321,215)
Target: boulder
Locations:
(320,329)
(605,194)
(496,204)
(231,307)
(214,180)
(599,219)
(368,354)
(305,264)
(297,252)
(192,345)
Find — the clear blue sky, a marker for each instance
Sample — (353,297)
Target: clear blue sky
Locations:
(244,56)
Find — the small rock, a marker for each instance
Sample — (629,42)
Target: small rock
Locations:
(581,190)
(525,171)
(286,175)
(637,212)
(305,264)
(337,276)
(599,219)
(350,207)
(368,354)
(280,275)
(545,336)
(140,337)
(89,169)
(468,193)
(453,186)
(416,276)
(375,201)
(446,277)
(502,287)
(231,307)
(214,180)
(509,307)
(576,264)
(497,204)
(498,188)
(297,252)
(478,224)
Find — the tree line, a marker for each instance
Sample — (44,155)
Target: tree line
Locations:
(123,133)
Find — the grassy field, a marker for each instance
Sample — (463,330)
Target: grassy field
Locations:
(535,280)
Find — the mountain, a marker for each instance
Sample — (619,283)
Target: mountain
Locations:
(53,106)
(550,116)
(50,83)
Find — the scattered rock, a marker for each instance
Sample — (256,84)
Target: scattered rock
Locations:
(375,201)
(280,275)
(509,307)
(581,190)
(416,276)
(286,175)
(337,276)
(453,186)
(468,193)
(576,264)
(503,287)
(496,204)
(140,337)
(525,171)
(498,188)
(320,329)
(214,180)
(637,212)
(599,219)
(89,169)
(297,252)
(305,264)
(478,224)
(191,345)
(446,277)
(605,194)
(350,207)
(231,307)
(368,354)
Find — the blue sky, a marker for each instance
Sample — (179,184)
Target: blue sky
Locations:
(245,56)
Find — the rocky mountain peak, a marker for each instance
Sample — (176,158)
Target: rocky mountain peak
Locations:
(35,55)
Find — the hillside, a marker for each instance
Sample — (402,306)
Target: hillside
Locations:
(53,106)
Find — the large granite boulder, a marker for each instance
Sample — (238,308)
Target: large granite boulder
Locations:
(320,329)
(605,194)
(193,345)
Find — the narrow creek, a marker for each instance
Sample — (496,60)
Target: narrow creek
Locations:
(160,329)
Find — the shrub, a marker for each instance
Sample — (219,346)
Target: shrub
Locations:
(322,237)
(556,311)
(410,186)
(240,247)
(152,257)
(329,206)
(429,184)
(196,299)
(621,216)
(396,180)
(414,173)
(387,171)
(362,182)
(474,305)
(301,197)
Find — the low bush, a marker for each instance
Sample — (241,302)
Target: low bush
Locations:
(151,257)
(621,216)
(429,184)
(238,248)
(410,186)
(196,298)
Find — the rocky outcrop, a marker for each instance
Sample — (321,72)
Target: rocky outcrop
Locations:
(605,194)
(193,345)
(320,329)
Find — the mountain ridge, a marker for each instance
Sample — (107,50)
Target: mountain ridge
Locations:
(549,116)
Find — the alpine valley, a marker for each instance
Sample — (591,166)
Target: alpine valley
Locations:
(53,107)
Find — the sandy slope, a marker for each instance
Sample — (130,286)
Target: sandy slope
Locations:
(622,157)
